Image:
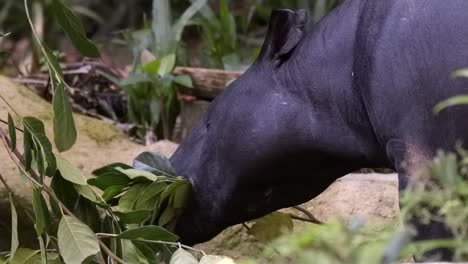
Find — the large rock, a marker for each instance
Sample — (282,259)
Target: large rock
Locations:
(372,197)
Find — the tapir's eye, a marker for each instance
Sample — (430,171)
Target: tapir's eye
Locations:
(208,125)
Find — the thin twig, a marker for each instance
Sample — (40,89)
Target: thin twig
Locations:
(52,195)
(6,123)
(306,212)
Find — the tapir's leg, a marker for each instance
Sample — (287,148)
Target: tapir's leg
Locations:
(410,162)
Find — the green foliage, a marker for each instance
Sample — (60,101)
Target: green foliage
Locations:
(271,226)
(443,199)
(76,240)
(220,37)
(72,26)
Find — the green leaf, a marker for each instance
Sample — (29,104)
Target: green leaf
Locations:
(41,211)
(150,232)
(88,193)
(112,191)
(461,99)
(184,80)
(76,240)
(72,26)
(65,192)
(87,213)
(14,227)
(182,194)
(461,73)
(186,17)
(69,172)
(151,67)
(26,256)
(211,259)
(149,195)
(271,226)
(136,173)
(167,215)
(64,125)
(182,256)
(38,141)
(167,64)
(12,131)
(28,148)
(111,168)
(128,201)
(131,254)
(109,179)
(147,251)
(135,217)
(154,162)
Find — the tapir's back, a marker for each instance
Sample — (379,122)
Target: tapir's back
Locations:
(406,53)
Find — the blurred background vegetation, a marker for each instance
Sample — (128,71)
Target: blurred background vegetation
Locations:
(141,42)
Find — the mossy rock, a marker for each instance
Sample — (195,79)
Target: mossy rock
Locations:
(99,143)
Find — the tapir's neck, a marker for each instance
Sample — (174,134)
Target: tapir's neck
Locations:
(321,73)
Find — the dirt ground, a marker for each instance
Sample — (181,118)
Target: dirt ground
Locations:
(372,196)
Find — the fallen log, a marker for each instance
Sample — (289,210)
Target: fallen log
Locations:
(207,83)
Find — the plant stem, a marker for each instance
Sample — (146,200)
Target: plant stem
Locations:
(52,195)
(311,217)
(6,123)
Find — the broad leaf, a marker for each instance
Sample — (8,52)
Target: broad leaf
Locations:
(109,179)
(167,64)
(69,171)
(87,213)
(154,162)
(150,232)
(211,259)
(182,256)
(128,201)
(76,240)
(151,67)
(184,80)
(167,215)
(26,256)
(41,211)
(136,173)
(64,125)
(271,226)
(38,141)
(147,251)
(112,191)
(111,168)
(182,194)
(28,149)
(14,228)
(72,26)
(88,193)
(135,217)
(65,192)
(131,254)
(12,131)
(149,195)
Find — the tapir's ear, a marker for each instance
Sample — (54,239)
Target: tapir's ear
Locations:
(284,33)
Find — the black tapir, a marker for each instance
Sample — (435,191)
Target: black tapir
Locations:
(355,91)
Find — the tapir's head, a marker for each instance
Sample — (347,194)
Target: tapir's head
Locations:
(241,157)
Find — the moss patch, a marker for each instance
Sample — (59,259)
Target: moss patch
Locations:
(100,132)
